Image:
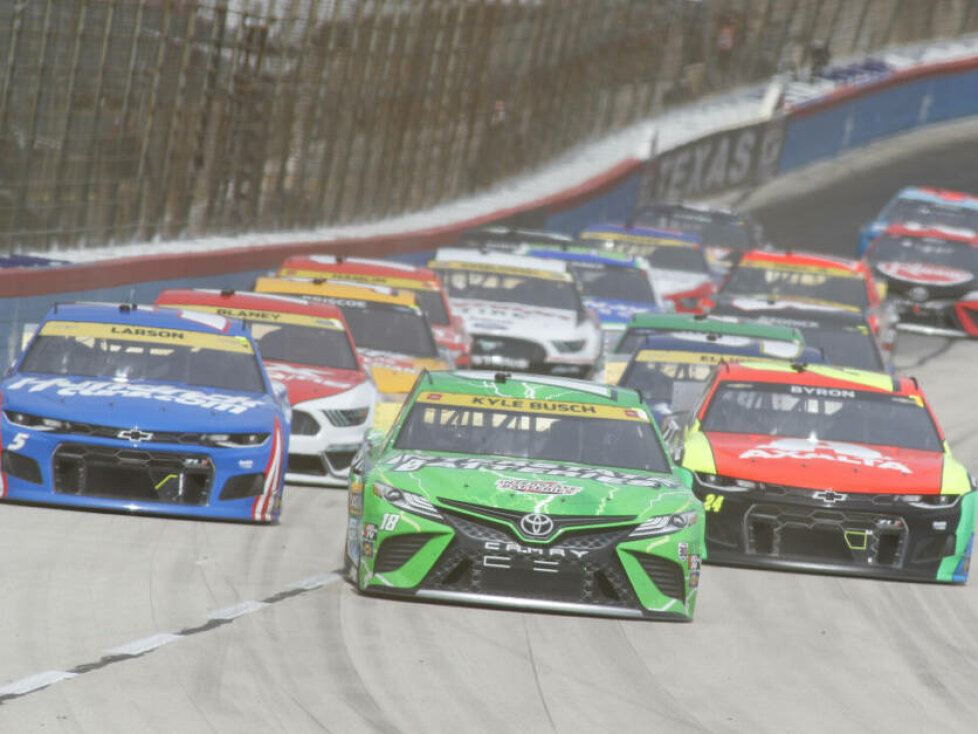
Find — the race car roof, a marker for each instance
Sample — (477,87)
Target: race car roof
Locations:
(148,316)
(315,287)
(514,236)
(716,212)
(535,387)
(912,229)
(650,235)
(500,260)
(939,196)
(802,313)
(386,272)
(802,259)
(589,255)
(699,347)
(817,376)
(243,301)
(715,324)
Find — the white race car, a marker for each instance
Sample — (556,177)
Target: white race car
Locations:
(523,313)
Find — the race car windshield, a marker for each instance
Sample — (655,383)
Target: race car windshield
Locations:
(131,361)
(510,288)
(433,305)
(930,214)
(931,250)
(846,346)
(309,345)
(661,381)
(389,328)
(713,230)
(625,444)
(822,414)
(613,282)
(812,283)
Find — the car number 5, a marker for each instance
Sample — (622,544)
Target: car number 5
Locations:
(17,442)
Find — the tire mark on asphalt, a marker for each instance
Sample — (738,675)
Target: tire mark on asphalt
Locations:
(536,675)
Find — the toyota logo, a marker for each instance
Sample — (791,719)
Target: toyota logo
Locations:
(537,525)
(135,435)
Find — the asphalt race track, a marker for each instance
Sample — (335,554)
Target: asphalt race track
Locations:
(111,623)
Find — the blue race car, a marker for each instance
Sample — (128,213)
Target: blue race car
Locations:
(671,370)
(926,207)
(137,409)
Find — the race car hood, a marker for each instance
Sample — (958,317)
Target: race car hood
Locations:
(513,319)
(825,465)
(667,282)
(618,312)
(772,303)
(926,274)
(528,486)
(396,373)
(148,405)
(305,382)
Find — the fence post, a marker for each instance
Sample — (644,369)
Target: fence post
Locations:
(31,140)
(94,142)
(144,154)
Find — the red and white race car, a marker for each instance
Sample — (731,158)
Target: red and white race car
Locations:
(308,348)
(447,328)
(931,275)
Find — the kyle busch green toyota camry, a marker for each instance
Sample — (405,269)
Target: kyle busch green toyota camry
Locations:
(525,491)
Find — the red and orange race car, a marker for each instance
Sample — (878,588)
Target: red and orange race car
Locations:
(307,347)
(828,468)
(807,280)
(447,328)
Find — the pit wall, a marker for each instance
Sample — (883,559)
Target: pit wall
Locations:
(814,130)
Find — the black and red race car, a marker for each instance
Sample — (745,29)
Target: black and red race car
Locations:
(931,275)
(828,468)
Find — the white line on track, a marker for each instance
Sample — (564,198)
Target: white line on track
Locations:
(35,682)
(148,644)
(314,582)
(138,647)
(236,610)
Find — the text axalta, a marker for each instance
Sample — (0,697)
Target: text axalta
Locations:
(233,404)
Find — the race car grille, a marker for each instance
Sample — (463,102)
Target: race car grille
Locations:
(665,574)
(122,433)
(823,535)
(152,476)
(397,550)
(340,460)
(512,518)
(303,424)
(310,464)
(506,352)
(580,566)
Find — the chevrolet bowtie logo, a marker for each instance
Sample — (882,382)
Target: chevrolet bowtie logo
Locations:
(135,435)
(829,496)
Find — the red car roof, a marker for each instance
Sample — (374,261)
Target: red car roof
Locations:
(900,229)
(948,194)
(360,266)
(809,259)
(248,300)
(819,376)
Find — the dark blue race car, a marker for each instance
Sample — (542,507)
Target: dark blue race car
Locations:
(670,370)
(124,407)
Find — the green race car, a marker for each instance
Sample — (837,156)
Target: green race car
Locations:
(525,491)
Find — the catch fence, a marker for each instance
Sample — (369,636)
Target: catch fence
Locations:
(131,120)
